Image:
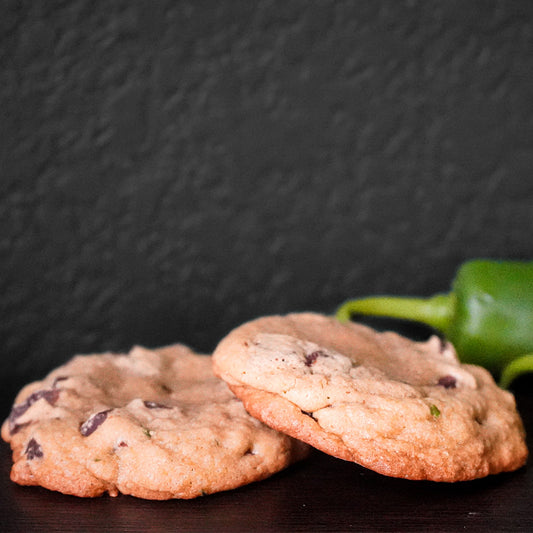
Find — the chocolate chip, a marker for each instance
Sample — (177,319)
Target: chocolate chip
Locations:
(155,405)
(312,357)
(448,382)
(93,422)
(16,411)
(33,450)
(15,428)
(50,395)
(57,380)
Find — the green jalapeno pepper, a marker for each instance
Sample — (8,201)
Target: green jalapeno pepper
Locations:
(488,315)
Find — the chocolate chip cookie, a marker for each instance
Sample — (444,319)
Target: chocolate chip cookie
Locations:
(402,408)
(154,424)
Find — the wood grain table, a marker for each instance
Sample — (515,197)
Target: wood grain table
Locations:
(320,494)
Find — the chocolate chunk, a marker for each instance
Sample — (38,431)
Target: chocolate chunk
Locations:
(155,405)
(33,450)
(312,357)
(50,395)
(93,422)
(448,382)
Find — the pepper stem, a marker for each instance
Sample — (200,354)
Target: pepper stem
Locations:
(436,311)
(515,368)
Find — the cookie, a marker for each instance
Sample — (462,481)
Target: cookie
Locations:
(155,424)
(401,408)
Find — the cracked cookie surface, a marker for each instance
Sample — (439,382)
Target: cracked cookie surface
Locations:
(402,408)
(155,424)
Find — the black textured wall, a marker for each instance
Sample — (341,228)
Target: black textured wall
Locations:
(170,169)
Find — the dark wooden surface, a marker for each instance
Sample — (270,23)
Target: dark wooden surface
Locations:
(319,494)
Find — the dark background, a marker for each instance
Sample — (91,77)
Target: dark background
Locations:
(170,169)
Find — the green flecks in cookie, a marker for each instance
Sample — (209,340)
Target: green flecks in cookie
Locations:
(434,410)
